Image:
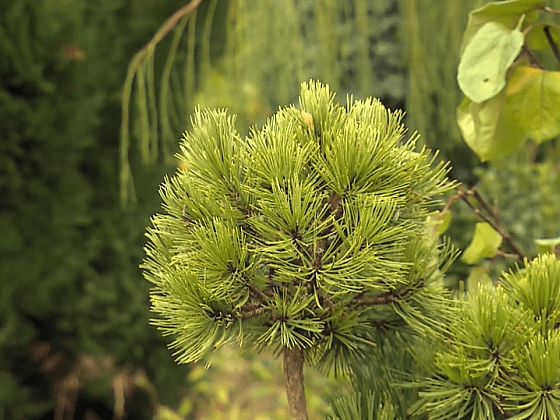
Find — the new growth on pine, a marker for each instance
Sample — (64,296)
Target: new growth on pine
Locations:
(310,235)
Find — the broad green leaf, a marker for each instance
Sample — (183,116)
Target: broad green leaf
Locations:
(487,129)
(484,244)
(507,13)
(486,59)
(548,245)
(478,276)
(442,220)
(536,38)
(533,102)
(166,413)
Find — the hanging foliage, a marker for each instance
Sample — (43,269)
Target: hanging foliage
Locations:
(351,45)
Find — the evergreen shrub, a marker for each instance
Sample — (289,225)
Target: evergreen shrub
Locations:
(311,236)
(72,302)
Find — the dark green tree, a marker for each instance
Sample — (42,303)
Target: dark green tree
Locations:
(70,288)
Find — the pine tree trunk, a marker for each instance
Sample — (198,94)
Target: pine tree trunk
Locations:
(293,376)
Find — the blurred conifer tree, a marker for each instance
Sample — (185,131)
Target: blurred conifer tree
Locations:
(71,295)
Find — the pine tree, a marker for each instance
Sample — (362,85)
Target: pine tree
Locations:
(502,356)
(310,235)
(490,355)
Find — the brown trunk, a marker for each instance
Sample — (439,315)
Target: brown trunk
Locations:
(293,376)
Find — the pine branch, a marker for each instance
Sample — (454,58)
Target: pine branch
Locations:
(256,293)
(388,297)
(251,311)
(282,233)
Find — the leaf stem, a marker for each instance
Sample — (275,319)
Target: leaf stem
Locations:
(551,11)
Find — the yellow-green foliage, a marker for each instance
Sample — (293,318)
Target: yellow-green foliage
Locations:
(502,355)
(310,232)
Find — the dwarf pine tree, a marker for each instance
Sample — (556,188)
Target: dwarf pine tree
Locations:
(310,235)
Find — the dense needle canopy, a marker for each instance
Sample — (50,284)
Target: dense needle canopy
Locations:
(313,231)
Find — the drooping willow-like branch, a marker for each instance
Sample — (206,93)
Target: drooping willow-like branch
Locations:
(141,67)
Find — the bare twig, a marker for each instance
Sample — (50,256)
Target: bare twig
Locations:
(452,199)
(498,225)
(553,46)
(164,29)
(532,59)
(506,255)
(493,219)
(551,11)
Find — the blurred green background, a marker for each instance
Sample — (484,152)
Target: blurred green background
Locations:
(75,339)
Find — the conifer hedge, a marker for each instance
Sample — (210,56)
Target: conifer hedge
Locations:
(73,306)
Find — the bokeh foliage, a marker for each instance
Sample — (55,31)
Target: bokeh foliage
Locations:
(67,253)
(72,303)
(263,63)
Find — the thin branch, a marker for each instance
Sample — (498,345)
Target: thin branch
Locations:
(492,210)
(553,46)
(324,300)
(127,191)
(251,311)
(258,294)
(534,60)
(551,11)
(458,196)
(168,25)
(493,220)
(506,255)
(498,226)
